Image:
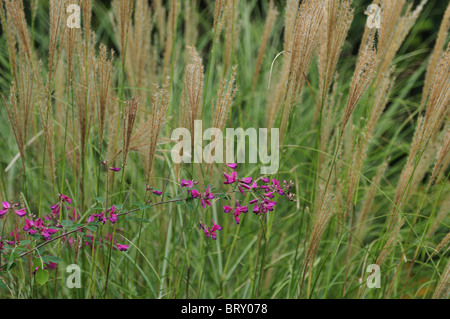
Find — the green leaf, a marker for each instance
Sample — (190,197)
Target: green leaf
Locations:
(52,259)
(10,266)
(190,204)
(91,227)
(100,199)
(12,257)
(36,236)
(41,276)
(66,223)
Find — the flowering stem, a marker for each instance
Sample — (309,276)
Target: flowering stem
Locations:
(83,227)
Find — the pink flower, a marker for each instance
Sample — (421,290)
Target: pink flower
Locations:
(238,211)
(230,179)
(211,232)
(269,195)
(265,180)
(6,207)
(56,209)
(21,212)
(159,193)
(52,265)
(204,197)
(188,183)
(123,247)
(247,180)
(103,216)
(242,191)
(115,169)
(233,165)
(227,209)
(113,218)
(65,198)
(195,193)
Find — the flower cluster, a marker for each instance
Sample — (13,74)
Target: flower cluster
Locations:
(38,226)
(57,207)
(204,197)
(210,232)
(263,194)
(21,212)
(238,210)
(103,217)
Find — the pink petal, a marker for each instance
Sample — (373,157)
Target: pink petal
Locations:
(21,212)
(123,247)
(6,205)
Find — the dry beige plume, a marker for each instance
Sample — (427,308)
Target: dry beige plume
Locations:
(139,59)
(395,27)
(338,17)
(304,43)
(19,108)
(232,30)
(129,118)
(443,288)
(268,26)
(193,91)
(360,150)
(225,96)
(160,104)
(170,36)
(104,67)
(191,18)
(364,73)
(434,58)
(122,13)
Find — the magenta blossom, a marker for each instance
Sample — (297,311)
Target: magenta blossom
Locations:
(264,206)
(204,197)
(188,183)
(237,211)
(56,209)
(159,193)
(247,180)
(195,193)
(38,226)
(7,207)
(65,198)
(115,169)
(103,217)
(230,179)
(211,232)
(232,165)
(123,247)
(21,212)
(227,209)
